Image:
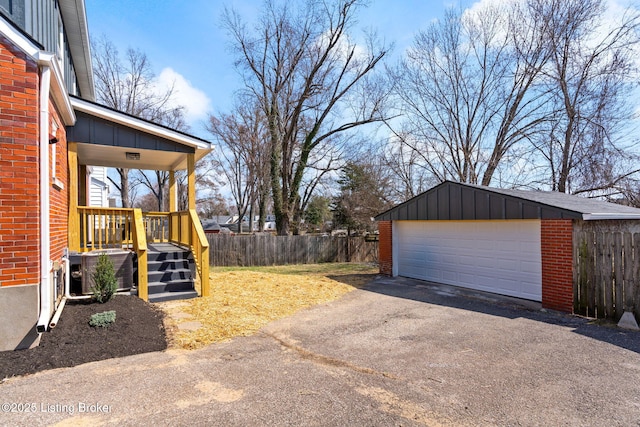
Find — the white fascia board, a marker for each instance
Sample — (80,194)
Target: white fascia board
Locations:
(19,39)
(58,89)
(135,123)
(610,216)
(77,31)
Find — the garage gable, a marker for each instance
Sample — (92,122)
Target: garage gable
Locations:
(457,201)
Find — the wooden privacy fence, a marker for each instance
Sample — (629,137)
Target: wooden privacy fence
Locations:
(265,249)
(607,268)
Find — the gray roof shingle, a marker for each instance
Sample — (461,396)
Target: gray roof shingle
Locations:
(570,202)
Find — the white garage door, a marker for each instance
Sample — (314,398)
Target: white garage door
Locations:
(494,256)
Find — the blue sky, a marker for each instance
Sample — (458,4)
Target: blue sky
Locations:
(185,42)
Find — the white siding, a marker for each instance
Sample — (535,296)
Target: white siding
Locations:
(98,187)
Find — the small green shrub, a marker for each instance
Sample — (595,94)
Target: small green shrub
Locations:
(105,283)
(103,319)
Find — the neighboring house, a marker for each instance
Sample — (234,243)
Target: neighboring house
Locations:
(509,242)
(225,219)
(210,226)
(98,186)
(230,223)
(269,224)
(52,133)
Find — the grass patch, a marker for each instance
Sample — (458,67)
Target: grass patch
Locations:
(244,299)
(307,269)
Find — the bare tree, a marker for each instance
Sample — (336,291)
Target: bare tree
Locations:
(408,175)
(591,72)
(207,184)
(241,155)
(156,182)
(127,85)
(309,78)
(466,91)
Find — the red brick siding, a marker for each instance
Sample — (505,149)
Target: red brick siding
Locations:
(59,197)
(557,264)
(385,253)
(19,159)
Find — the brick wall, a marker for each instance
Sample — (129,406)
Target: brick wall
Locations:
(59,196)
(557,264)
(385,254)
(19,159)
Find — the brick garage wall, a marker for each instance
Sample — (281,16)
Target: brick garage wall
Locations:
(59,196)
(557,264)
(19,196)
(385,253)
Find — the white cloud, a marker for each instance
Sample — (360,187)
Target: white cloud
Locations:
(196,103)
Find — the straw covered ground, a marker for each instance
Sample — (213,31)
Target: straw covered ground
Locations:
(242,301)
(245,299)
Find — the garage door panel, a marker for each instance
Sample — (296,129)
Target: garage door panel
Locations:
(494,256)
(529,267)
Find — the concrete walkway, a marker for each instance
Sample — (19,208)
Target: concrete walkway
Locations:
(400,352)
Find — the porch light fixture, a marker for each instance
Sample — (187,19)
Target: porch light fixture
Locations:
(133,156)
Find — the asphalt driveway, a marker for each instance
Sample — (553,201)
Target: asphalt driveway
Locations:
(399,352)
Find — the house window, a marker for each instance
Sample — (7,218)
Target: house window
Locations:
(53,143)
(7,5)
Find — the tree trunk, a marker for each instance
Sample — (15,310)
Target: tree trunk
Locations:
(282,224)
(565,167)
(262,210)
(124,187)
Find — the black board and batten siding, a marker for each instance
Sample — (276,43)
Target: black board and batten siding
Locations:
(265,249)
(42,21)
(606,268)
(456,202)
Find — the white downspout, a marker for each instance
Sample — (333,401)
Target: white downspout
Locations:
(45,244)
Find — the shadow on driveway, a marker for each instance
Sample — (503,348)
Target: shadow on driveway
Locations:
(503,306)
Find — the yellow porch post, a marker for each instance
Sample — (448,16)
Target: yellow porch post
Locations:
(173,202)
(204,277)
(140,243)
(191,171)
(73,231)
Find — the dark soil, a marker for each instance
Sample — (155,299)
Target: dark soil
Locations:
(138,329)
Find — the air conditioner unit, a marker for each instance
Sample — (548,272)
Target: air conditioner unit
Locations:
(122,265)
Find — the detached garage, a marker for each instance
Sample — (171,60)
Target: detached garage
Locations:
(510,242)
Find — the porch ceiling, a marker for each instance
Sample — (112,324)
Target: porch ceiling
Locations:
(105,136)
(116,157)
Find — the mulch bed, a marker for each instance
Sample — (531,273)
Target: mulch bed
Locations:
(138,329)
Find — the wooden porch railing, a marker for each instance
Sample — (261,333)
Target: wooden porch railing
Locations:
(185,229)
(102,228)
(157,226)
(105,228)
